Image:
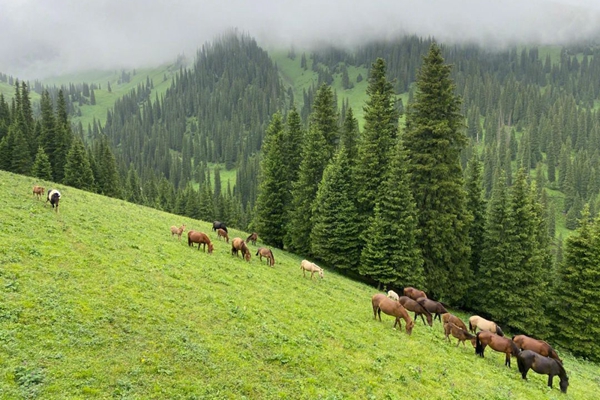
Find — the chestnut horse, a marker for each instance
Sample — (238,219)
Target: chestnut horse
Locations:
(539,346)
(418,309)
(529,359)
(434,307)
(414,293)
(455,320)
(38,191)
(459,333)
(177,231)
(268,254)
(238,244)
(252,238)
(222,233)
(496,342)
(478,322)
(202,239)
(381,303)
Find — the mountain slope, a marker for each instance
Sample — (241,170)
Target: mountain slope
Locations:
(98,300)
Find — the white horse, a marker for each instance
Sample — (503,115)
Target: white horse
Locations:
(393,295)
(306,265)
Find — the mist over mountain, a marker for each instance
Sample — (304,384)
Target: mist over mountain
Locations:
(53,37)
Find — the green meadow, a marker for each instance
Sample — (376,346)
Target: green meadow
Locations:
(100,301)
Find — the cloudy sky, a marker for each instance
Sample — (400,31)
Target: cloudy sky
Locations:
(47,37)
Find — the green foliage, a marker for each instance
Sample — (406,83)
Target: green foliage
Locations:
(41,167)
(78,172)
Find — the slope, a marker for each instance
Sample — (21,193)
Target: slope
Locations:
(98,300)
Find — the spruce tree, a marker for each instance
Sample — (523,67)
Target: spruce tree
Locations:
(335,226)
(78,172)
(434,138)
(391,253)
(41,166)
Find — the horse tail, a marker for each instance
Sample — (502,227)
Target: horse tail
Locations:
(258,251)
(272,257)
(499,330)
(471,326)
(478,346)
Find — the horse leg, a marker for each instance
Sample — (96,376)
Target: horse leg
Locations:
(507,360)
(422,318)
(550,378)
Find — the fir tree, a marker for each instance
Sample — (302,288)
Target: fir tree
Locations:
(78,172)
(434,138)
(41,166)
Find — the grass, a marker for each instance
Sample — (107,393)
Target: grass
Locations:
(99,301)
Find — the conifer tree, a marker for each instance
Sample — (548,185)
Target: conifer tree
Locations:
(20,158)
(335,226)
(78,172)
(434,138)
(391,253)
(350,135)
(41,166)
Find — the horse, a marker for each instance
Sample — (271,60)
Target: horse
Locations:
(252,238)
(393,295)
(53,198)
(202,239)
(496,342)
(222,233)
(459,333)
(219,225)
(381,303)
(418,309)
(529,359)
(177,231)
(434,307)
(539,346)
(478,322)
(306,265)
(414,293)
(38,191)
(455,320)
(237,244)
(267,253)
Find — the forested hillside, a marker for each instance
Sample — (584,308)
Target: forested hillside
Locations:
(466,170)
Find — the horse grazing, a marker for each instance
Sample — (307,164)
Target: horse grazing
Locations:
(478,322)
(412,305)
(381,303)
(496,342)
(393,295)
(53,198)
(252,238)
(38,191)
(529,359)
(219,225)
(237,244)
(177,231)
(306,265)
(267,253)
(539,346)
(455,320)
(202,239)
(222,233)
(414,293)
(459,333)
(434,307)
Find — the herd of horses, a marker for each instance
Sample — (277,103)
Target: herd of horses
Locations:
(530,353)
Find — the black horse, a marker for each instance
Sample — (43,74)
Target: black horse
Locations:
(53,198)
(219,225)
(528,359)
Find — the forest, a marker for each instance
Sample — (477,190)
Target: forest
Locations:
(468,189)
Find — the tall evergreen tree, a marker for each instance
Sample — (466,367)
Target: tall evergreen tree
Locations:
(41,166)
(78,172)
(434,138)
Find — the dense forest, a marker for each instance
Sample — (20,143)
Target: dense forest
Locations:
(457,191)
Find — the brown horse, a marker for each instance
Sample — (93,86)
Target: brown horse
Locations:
(222,233)
(38,191)
(202,239)
(177,231)
(539,346)
(238,244)
(391,307)
(412,305)
(434,307)
(478,322)
(268,254)
(252,238)
(414,293)
(528,359)
(460,334)
(454,319)
(496,342)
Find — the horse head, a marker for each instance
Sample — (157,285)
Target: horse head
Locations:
(409,326)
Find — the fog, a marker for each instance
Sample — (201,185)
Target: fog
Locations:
(52,37)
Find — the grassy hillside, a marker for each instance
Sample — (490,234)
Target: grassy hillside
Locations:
(99,301)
